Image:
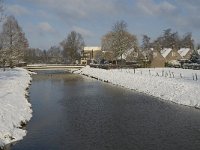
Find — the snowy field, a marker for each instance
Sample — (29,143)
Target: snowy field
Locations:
(14,107)
(176,85)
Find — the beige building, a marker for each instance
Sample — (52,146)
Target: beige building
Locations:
(170,54)
(157,61)
(89,54)
(185,53)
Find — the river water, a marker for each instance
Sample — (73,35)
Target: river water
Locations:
(71,112)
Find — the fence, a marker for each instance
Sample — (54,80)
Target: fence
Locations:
(166,73)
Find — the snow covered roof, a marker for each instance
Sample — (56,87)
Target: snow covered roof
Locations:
(198,51)
(92,48)
(183,51)
(164,52)
(124,55)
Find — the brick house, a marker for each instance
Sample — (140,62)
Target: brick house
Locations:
(157,60)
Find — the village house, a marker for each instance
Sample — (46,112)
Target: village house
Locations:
(170,54)
(157,60)
(89,54)
(185,53)
(133,56)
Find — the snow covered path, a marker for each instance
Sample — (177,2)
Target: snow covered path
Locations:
(15,110)
(176,85)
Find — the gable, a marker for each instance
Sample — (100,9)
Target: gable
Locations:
(165,52)
(183,51)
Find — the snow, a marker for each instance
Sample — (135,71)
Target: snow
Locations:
(14,107)
(165,52)
(92,48)
(171,84)
(183,51)
(198,51)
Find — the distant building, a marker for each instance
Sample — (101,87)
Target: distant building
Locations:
(89,54)
(170,54)
(157,60)
(185,53)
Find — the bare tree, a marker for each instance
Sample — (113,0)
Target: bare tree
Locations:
(13,40)
(54,55)
(146,44)
(2,9)
(187,41)
(72,46)
(35,55)
(106,42)
(119,40)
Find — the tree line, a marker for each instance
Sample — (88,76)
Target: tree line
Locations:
(67,52)
(14,46)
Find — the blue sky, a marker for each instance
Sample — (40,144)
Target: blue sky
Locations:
(47,22)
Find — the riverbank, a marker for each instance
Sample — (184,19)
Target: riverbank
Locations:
(180,86)
(15,110)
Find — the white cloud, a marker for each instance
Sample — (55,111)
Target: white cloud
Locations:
(78,9)
(45,27)
(17,10)
(149,7)
(84,32)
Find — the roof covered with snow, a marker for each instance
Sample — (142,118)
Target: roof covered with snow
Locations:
(124,55)
(92,48)
(183,51)
(198,51)
(165,52)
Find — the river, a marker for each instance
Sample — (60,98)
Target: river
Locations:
(71,112)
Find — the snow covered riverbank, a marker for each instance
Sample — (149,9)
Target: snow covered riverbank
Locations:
(15,110)
(177,85)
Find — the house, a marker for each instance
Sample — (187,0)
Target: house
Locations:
(170,54)
(132,56)
(129,53)
(157,60)
(89,54)
(185,53)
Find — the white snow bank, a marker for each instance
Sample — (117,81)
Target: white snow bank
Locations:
(14,107)
(176,85)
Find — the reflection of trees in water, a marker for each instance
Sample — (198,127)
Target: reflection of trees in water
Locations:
(56,76)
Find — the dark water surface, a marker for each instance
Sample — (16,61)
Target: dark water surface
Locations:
(71,112)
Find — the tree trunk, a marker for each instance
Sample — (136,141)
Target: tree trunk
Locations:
(4,62)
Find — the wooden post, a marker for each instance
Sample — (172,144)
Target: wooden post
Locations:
(193,76)
(196,76)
